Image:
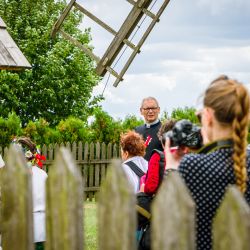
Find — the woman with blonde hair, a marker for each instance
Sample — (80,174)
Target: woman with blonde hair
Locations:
(223,160)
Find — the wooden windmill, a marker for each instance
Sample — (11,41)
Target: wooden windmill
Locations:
(121,37)
(11,57)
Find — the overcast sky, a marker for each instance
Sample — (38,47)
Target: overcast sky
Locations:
(194,42)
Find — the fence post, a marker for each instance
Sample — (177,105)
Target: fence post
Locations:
(64,204)
(231,228)
(17,214)
(173,216)
(116,211)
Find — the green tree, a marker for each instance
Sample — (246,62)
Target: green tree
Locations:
(62,77)
(9,127)
(105,128)
(185,113)
(130,122)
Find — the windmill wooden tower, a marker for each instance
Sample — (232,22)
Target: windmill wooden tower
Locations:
(11,57)
(121,37)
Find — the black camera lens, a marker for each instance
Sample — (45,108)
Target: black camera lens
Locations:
(184,133)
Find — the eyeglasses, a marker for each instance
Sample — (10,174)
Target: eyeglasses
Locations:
(150,108)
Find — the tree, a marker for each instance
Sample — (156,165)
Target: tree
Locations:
(185,113)
(62,78)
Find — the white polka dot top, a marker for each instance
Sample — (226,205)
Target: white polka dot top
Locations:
(207,176)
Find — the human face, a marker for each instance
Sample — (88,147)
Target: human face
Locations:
(150,111)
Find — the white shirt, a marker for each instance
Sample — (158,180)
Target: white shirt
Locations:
(132,177)
(1,161)
(39,177)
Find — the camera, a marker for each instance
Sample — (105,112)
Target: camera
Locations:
(184,133)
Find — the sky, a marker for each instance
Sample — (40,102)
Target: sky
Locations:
(194,42)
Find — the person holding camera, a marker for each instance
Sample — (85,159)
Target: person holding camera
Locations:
(150,110)
(156,164)
(223,161)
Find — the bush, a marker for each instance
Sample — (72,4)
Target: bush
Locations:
(9,128)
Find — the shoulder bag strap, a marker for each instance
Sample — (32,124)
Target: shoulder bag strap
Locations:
(135,169)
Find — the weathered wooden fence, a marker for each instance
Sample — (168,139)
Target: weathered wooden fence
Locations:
(173,211)
(91,158)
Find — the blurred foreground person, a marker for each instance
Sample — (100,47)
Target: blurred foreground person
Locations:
(223,160)
(39,176)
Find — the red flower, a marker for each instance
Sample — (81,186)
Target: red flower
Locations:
(39,159)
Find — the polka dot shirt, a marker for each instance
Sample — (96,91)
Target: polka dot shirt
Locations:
(207,177)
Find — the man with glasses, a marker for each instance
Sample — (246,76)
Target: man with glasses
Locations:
(150,110)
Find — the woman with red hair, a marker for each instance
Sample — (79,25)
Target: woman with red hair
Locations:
(132,152)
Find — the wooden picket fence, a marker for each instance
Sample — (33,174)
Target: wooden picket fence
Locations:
(91,158)
(173,211)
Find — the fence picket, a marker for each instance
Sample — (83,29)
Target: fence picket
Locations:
(103,165)
(231,228)
(64,204)
(116,211)
(17,215)
(173,215)
(91,170)
(97,166)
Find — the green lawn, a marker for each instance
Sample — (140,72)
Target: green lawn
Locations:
(90,225)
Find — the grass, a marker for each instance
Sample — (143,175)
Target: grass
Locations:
(90,225)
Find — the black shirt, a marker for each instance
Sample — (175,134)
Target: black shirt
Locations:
(207,176)
(149,133)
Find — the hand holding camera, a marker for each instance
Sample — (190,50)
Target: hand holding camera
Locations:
(184,133)
(184,136)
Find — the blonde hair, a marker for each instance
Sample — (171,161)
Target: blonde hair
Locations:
(230,101)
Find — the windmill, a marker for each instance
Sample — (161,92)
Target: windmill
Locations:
(11,57)
(140,9)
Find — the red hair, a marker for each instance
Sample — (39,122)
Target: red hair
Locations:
(133,143)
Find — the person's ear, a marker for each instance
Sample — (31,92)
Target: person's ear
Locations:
(209,115)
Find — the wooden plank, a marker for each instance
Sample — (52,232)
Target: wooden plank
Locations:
(11,56)
(94,18)
(142,40)
(97,166)
(103,165)
(74,149)
(147,12)
(124,32)
(5,57)
(59,22)
(80,46)
(44,152)
(2,23)
(86,167)
(64,205)
(115,151)
(173,216)
(116,211)
(231,228)
(17,222)
(91,170)
(51,153)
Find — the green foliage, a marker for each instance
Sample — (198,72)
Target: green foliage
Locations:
(186,113)
(130,122)
(40,132)
(9,128)
(105,128)
(73,130)
(62,77)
